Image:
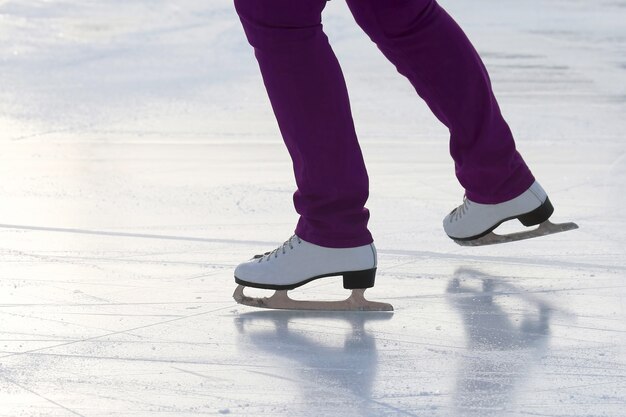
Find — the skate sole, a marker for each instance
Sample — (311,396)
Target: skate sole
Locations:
(532,218)
(351,280)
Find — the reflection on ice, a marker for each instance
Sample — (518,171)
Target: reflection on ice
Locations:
(503,346)
(507,333)
(488,325)
(343,363)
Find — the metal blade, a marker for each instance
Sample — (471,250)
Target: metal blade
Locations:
(544,229)
(280,300)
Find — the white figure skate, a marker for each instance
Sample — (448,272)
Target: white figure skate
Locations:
(472,224)
(297,262)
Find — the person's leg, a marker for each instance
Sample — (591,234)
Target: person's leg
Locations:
(310,100)
(429,48)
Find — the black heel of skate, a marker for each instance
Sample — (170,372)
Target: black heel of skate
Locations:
(538,215)
(359,279)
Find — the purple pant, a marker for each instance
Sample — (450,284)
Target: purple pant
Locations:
(309,97)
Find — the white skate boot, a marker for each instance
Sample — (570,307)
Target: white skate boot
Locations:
(472,224)
(297,262)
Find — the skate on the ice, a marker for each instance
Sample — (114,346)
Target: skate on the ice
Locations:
(472,224)
(297,262)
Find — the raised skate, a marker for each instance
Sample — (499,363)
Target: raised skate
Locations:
(298,262)
(473,224)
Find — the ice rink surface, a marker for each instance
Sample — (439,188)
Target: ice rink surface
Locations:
(140,163)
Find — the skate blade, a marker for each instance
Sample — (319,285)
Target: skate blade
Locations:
(544,229)
(280,301)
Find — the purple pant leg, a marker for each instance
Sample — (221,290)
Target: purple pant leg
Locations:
(309,98)
(429,48)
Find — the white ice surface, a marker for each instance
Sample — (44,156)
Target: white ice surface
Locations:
(140,162)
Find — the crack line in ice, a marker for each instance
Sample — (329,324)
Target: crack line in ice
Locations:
(41,396)
(496,259)
(136,235)
(117,332)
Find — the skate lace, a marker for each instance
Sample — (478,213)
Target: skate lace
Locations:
(281,249)
(460,211)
